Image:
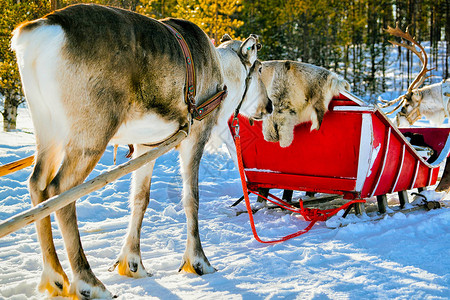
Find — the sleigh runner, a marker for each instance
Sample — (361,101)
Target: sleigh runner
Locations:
(357,153)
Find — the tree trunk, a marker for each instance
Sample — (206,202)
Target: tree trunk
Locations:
(346,61)
(9,114)
(55,4)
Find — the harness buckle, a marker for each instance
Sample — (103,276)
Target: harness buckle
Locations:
(235,125)
(191,105)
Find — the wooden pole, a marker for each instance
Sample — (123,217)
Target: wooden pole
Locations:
(57,202)
(16,166)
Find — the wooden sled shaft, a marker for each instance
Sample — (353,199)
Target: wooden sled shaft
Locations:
(57,202)
(16,165)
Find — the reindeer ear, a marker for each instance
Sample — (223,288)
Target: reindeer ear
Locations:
(225,37)
(249,49)
(258,45)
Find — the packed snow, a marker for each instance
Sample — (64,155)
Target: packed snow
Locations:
(398,257)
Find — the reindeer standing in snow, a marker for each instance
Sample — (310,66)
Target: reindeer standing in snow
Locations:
(94,75)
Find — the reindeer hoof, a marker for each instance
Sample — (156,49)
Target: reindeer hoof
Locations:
(55,289)
(80,289)
(55,283)
(130,265)
(197,267)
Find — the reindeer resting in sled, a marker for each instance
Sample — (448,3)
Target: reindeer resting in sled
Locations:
(94,75)
(431,101)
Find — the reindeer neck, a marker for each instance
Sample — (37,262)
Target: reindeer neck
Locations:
(234,77)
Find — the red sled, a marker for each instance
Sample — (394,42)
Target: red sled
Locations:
(357,153)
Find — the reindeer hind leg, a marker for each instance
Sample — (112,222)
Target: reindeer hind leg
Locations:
(77,164)
(53,279)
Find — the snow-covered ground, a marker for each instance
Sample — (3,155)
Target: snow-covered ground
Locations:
(400,257)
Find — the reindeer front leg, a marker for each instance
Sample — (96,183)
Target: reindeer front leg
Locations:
(191,151)
(130,261)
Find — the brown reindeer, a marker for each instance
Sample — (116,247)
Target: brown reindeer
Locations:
(94,75)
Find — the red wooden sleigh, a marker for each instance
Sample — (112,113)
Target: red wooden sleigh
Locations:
(357,153)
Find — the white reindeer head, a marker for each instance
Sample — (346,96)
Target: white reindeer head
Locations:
(427,101)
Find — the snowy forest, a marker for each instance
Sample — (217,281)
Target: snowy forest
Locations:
(345,36)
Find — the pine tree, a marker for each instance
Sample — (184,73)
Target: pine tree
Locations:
(266,19)
(13,13)
(214,17)
(157,9)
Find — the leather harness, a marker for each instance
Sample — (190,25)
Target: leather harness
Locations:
(201,111)
(196,112)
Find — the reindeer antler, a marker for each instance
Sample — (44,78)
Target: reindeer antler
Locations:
(421,54)
(400,101)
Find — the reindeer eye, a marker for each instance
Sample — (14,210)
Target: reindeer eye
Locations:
(249,48)
(259,70)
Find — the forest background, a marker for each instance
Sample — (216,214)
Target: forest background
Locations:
(345,36)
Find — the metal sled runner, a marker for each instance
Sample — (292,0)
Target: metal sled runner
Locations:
(357,153)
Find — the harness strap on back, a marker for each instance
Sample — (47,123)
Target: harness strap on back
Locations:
(208,106)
